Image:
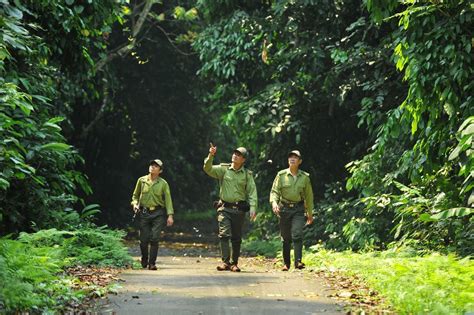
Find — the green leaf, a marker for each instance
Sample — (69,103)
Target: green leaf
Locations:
(86,55)
(425,217)
(56,146)
(4,184)
(25,107)
(78,9)
(455,153)
(453,212)
(55,120)
(13,12)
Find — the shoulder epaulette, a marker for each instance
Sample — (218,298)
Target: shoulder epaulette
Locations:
(305,173)
(282,172)
(249,172)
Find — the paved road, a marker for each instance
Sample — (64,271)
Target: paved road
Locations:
(188,283)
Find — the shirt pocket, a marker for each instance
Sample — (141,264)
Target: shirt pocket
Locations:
(242,181)
(285,186)
(300,188)
(227,179)
(145,188)
(156,190)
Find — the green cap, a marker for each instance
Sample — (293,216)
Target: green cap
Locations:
(157,162)
(242,151)
(295,152)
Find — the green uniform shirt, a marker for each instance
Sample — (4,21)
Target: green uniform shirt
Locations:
(235,185)
(153,193)
(289,188)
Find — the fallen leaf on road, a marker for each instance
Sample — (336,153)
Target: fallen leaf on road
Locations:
(346,294)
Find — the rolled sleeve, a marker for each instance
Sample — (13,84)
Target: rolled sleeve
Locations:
(308,197)
(252,194)
(168,201)
(136,193)
(275,192)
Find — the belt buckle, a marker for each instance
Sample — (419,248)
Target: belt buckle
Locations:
(291,205)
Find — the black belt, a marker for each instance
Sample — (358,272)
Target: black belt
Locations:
(292,204)
(150,209)
(233,205)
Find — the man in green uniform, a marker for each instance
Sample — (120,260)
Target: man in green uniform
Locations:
(238,194)
(291,198)
(152,200)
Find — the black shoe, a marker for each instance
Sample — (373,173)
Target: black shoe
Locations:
(234,268)
(299,265)
(285,268)
(223,267)
(152,267)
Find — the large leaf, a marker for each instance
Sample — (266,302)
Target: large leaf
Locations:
(453,212)
(4,184)
(56,146)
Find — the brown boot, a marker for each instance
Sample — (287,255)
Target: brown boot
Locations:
(223,267)
(285,268)
(152,267)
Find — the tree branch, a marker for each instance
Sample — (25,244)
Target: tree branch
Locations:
(126,48)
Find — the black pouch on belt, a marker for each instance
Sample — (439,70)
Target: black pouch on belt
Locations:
(244,206)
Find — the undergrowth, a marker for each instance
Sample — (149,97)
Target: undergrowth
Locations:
(412,284)
(32,268)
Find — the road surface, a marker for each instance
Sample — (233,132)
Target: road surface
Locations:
(187,282)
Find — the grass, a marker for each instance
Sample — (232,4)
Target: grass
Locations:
(32,268)
(411,283)
(269,248)
(433,283)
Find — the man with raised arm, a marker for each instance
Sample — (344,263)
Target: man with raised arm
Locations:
(238,194)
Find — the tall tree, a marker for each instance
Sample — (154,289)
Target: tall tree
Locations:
(45,51)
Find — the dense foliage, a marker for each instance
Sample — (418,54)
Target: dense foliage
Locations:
(306,74)
(377,95)
(363,86)
(429,185)
(32,269)
(45,53)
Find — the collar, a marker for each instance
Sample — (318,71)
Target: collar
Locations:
(287,172)
(148,179)
(241,169)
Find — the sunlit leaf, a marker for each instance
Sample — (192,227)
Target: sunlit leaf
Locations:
(56,146)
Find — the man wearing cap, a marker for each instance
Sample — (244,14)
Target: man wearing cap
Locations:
(291,198)
(152,200)
(238,194)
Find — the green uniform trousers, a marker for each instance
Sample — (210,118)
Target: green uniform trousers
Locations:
(151,224)
(292,221)
(230,222)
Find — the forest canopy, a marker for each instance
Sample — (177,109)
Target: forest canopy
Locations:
(378,97)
